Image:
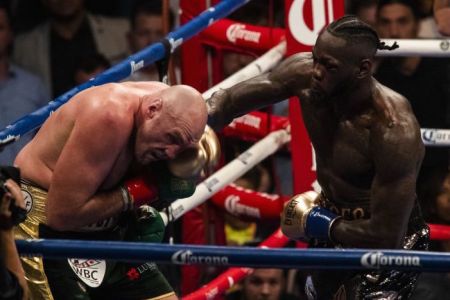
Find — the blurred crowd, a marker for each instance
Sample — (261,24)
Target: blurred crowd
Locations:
(49,46)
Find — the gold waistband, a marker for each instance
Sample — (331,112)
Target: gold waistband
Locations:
(349,211)
(35,201)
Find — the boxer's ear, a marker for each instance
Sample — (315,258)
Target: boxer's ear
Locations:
(154,106)
(364,69)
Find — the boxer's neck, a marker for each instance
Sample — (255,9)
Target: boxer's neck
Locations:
(355,99)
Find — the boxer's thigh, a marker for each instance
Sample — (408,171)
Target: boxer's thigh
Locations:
(332,284)
(136,281)
(63,282)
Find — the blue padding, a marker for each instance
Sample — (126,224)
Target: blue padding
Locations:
(318,223)
(349,259)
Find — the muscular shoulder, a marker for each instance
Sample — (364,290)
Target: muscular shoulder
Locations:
(294,72)
(393,109)
(107,105)
(395,132)
(296,64)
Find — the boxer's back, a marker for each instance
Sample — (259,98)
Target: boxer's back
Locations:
(115,102)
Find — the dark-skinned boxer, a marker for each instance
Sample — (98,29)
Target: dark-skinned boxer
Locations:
(368,153)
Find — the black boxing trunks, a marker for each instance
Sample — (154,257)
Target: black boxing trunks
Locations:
(351,285)
(76,278)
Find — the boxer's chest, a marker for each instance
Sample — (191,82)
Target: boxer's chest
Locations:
(345,169)
(350,156)
(342,147)
(118,170)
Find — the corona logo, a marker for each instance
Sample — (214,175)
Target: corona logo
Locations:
(188,257)
(233,206)
(297,24)
(376,259)
(239,32)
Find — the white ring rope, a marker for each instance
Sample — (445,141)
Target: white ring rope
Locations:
(417,47)
(435,137)
(229,173)
(259,66)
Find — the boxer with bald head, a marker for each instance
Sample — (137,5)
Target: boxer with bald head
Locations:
(368,153)
(74,172)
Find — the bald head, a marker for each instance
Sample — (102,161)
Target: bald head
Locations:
(169,121)
(186,105)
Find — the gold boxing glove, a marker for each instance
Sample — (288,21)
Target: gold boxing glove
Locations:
(211,145)
(201,158)
(303,218)
(293,218)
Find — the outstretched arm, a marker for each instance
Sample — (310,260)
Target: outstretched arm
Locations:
(397,154)
(288,79)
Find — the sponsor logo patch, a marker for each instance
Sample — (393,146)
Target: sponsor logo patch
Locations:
(186,257)
(90,271)
(233,206)
(238,32)
(28,201)
(136,272)
(377,259)
(445,45)
(135,66)
(211,182)
(436,136)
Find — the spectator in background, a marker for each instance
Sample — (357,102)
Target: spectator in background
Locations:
(53,49)
(20,91)
(12,278)
(428,28)
(365,10)
(89,67)
(442,16)
(146,22)
(262,284)
(422,80)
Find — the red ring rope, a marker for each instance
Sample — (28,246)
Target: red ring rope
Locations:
(249,204)
(224,281)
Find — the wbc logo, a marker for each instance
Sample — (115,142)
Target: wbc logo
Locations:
(321,14)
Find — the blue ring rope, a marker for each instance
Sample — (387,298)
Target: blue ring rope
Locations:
(123,69)
(354,259)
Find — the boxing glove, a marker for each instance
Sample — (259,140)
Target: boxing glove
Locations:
(199,160)
(303,219)
(147,226)
(172,187)
(154,185)
(211,146)
(138,191)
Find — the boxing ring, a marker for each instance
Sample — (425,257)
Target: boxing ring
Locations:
(271,133)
